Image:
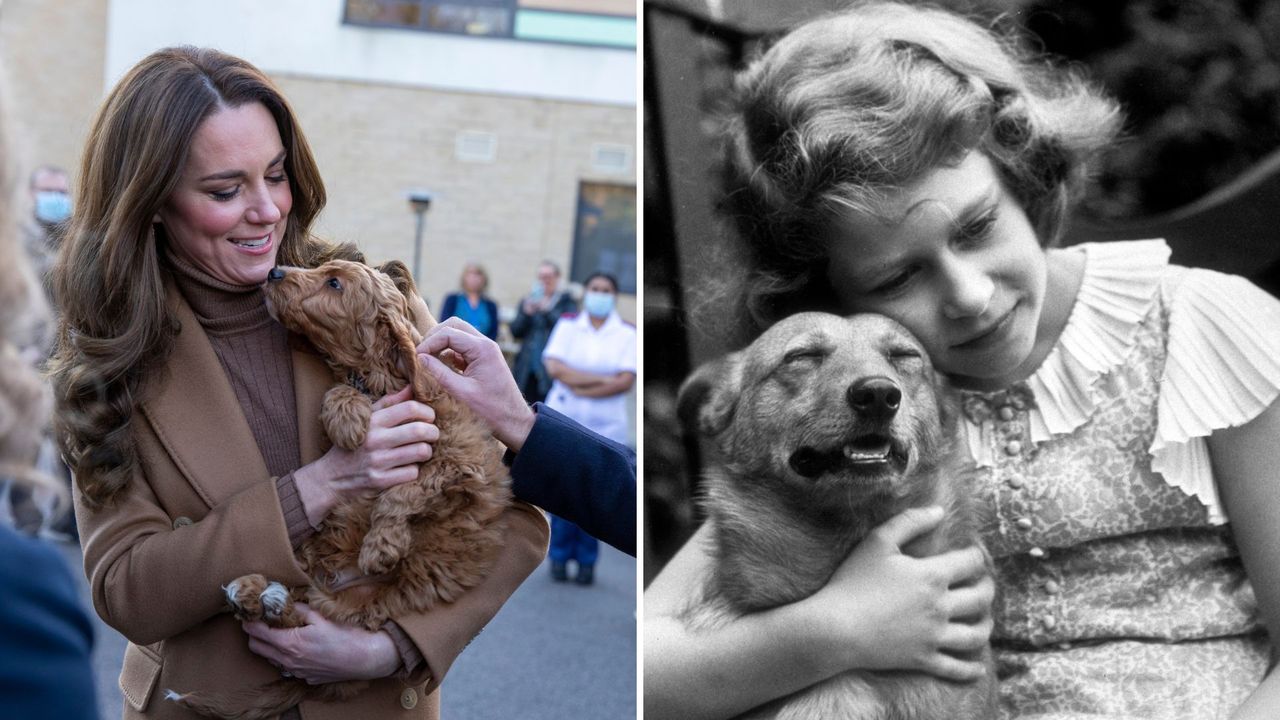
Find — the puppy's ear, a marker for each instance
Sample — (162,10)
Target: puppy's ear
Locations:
(708,397)
(400,275)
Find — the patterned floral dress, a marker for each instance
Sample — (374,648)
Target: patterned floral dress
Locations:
(1121,593)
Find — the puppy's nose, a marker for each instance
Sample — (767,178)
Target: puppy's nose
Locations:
(875,397)
(275,274)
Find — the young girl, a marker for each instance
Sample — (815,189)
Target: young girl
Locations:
(1120,411)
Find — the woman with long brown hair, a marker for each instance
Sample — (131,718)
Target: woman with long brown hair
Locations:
(190,418)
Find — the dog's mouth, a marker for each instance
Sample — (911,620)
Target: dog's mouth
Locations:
(870,452)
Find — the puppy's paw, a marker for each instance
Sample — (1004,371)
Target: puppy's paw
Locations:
(377,556)
(244,595)
(345,414)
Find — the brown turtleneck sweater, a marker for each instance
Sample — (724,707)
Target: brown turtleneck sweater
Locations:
(254,352)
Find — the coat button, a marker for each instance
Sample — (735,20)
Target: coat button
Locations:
(1006,413)
(1049,622)
(181,521)
(1013,448)
(409,699)
(1037,553)
(1023,523)
(1052,587)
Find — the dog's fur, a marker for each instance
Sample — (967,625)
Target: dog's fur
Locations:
(382,555)
(787,501)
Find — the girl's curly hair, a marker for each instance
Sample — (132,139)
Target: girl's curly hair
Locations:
(849,107)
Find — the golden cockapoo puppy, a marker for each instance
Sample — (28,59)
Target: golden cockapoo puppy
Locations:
(409,547)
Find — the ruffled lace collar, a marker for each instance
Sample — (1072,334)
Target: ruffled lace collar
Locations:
(1121,282)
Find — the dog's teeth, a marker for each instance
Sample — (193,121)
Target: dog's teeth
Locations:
(866,455)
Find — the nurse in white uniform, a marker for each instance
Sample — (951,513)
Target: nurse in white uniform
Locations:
(592,358)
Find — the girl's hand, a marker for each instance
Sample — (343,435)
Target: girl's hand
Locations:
(401,432)
(322,652)
(884,610)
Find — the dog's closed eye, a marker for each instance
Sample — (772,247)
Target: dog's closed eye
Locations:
(804,354)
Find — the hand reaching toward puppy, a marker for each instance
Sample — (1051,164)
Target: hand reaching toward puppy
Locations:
(400,436)
(484,382)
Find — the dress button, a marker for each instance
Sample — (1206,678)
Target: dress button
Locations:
(1052,587)
(1064,646)
(409,699)
(1037,553)
(1049,622)
(1013,447)
(1023,523)
(181,521)
(1015,482)
(1006,413)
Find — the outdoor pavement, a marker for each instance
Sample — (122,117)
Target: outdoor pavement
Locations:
(556,650)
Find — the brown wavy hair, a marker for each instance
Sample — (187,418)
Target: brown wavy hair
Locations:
(109,282)
(849,107)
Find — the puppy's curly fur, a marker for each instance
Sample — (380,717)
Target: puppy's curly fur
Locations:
(407,548)
(827,427)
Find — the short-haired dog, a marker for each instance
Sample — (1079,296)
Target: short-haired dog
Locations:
(826,426)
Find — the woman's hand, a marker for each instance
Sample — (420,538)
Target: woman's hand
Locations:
(401,432)
(884,610)
(322,651)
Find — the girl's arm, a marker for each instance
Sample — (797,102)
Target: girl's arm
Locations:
(880,610)
(1245,461)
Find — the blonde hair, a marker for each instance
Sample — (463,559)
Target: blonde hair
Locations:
(462,279)
(109,282)
(847,108)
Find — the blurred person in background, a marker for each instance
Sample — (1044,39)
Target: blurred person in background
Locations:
(471,304)
(50,191)
(36,508)
(592,358)
(535,316)
(46,639)
(190,418)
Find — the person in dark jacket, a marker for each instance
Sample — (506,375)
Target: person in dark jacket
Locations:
(535,316)
(471,304)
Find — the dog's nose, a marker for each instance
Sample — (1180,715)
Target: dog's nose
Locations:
(877,397)
(275,274)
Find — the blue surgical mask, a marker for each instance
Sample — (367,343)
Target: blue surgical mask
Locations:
(598,304)
(52,206)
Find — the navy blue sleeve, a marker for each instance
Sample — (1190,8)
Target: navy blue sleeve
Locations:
(580,476)
(46,638)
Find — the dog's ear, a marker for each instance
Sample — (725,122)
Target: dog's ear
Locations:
(708,397)
(403,279)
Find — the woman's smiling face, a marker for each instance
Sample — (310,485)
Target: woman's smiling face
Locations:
(230,209)
(958,264)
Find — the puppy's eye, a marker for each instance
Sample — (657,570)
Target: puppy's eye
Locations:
(904,354)
(803,355)
(334,283)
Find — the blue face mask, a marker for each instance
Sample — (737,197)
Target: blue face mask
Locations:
(52,206)
(598,304)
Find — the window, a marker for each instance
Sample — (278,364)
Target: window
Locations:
(605,236)
(606,23)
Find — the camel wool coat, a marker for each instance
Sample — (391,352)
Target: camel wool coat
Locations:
(202,510)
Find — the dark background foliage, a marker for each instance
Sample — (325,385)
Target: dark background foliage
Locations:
(1199,81)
